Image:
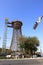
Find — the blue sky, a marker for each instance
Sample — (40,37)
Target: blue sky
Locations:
(27,11)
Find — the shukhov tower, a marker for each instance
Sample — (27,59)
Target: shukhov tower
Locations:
(16,25)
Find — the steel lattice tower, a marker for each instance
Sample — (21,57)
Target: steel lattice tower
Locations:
(16,25)
(5,37)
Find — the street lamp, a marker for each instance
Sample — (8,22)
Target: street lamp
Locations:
(37,23)
(35,26)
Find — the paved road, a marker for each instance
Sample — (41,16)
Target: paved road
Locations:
(22,62)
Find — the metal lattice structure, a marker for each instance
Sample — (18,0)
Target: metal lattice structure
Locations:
(5,37)
(16,25)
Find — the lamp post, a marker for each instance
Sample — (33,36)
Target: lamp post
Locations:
(35,26)
(37,23)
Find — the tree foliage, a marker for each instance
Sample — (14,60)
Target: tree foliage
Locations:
(29,44)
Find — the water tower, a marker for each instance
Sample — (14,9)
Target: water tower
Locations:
(17,31)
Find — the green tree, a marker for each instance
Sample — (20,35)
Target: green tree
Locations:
(32,44)
(8,51)
(22,40)
(0,50)
(29,44)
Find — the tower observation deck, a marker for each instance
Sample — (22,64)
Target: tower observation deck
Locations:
(16,25)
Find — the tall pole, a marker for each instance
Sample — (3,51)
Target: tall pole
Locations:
(35,26)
